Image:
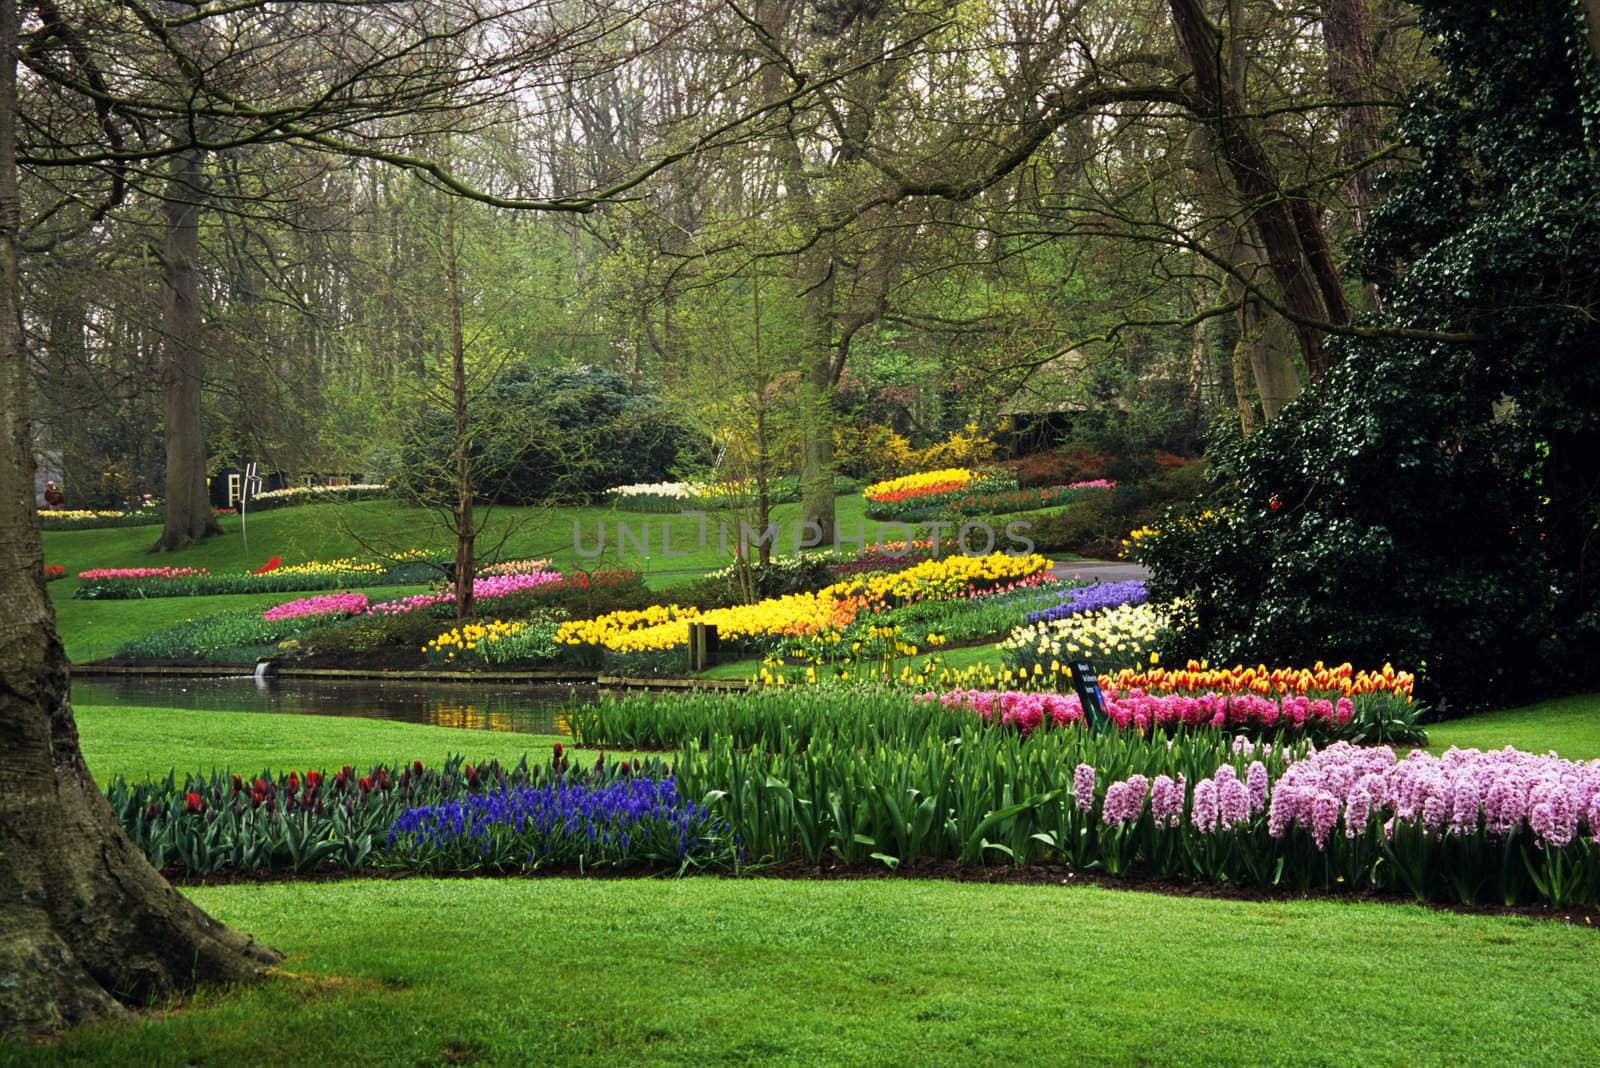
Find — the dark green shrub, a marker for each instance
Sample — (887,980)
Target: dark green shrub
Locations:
(1432,502)
(1096,527)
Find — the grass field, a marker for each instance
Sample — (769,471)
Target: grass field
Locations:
(141,743)
(713,971)
(1569,725)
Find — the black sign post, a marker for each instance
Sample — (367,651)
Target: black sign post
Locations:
(1087,682)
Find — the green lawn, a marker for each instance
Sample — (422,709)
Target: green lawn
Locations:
(719,971)
(1569,725)
(140,743)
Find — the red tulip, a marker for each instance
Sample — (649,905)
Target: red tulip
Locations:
(313,779)
(294,782)
(238,784)
(191,801)
(365,783)
(558,750)
(416,767)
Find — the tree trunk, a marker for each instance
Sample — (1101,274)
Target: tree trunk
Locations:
(188,506)
(85,922)
(466,533)
(816,502)
(1272,362)
(1296,251)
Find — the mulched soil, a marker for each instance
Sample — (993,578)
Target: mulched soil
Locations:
(938,870)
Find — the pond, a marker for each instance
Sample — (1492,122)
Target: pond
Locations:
(483,706)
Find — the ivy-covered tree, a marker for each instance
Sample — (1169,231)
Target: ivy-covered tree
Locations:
(1437,504)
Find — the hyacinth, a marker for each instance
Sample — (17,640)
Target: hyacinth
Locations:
(1256,786)
(1205,812)
(1500,792)
(1091,599)
(330,604)
(533,822)
(1083,787)
(1124,800)
(1166,801)
(1027,711)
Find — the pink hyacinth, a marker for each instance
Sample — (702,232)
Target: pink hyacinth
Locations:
(1324,817)
(1124,801)
(1204,814)
(1256,781)
(1503,792)
(1083,787)
(1166,801)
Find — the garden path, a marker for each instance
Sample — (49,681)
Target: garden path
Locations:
(1100,570)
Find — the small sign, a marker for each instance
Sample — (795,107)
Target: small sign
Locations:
(249,486)
(1086,681)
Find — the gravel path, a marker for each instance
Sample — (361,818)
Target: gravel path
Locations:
(1100,570)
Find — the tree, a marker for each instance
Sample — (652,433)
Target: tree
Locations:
(1430,502)
(85,919)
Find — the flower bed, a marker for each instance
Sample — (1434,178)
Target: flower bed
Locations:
(514,567)
(1094,598)
(1028,711)
(87,519)
(128,583)
(491,588)
(1197,677)
(909,486)
(52,572)
(664,627)
(1109,638)
(466,637)
(458,817)
(328,606)
(979,499)
(627,822)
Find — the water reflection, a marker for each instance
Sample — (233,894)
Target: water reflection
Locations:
(468,706)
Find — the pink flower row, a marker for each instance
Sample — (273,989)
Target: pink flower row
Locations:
(1463,792)
(328,604)
(1460,793)
(1098,483)
(1140,711)
(482,589)
(143,573)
